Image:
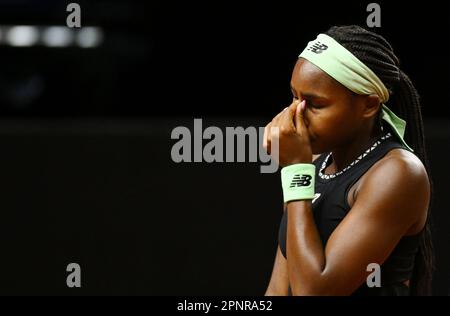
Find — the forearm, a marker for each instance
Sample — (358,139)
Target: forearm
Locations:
(305,253)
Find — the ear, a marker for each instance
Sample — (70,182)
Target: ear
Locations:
(371,105)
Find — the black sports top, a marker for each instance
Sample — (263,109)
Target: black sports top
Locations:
(331,206)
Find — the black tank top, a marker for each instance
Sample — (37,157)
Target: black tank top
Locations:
(331,206)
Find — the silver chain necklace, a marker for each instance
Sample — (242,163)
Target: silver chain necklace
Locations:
(334,175)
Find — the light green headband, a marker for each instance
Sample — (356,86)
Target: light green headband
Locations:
(342,65)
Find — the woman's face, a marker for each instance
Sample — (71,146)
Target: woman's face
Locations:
(333,114)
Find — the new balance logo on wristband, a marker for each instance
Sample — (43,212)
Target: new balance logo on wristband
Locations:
(318,47)
(301,180)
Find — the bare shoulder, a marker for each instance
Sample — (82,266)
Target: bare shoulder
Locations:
(401,180)
(398,164)
(403,163)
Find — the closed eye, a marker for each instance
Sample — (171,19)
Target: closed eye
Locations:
(309,103)
(312,105)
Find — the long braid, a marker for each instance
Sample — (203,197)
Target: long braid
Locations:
(374,51)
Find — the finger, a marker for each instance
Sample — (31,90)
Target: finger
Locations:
(299,117)
(266,142)
(286,121)
(268,130)
(265,137)
(294,104)
(274,132)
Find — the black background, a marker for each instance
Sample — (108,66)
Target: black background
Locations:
(86,170)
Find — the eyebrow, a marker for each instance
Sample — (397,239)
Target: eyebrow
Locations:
(309,95)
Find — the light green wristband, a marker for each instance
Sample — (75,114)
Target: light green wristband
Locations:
(298,182)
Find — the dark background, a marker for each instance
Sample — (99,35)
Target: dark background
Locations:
(86,171)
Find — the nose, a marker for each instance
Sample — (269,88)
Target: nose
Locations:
(306,116)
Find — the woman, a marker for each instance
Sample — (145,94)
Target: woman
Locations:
(355,180)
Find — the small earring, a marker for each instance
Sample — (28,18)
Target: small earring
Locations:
(380,122)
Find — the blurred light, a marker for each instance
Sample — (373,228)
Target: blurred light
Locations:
(57,36)
(22,36)
(89,37)
(50,36)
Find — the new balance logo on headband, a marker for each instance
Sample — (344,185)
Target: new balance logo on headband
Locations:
(301,180)
(318,47)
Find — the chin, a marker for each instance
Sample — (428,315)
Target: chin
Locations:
(314,148)
(317,148)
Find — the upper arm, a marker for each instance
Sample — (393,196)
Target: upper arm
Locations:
(391,199)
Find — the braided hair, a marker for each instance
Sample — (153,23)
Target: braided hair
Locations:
(377,54)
